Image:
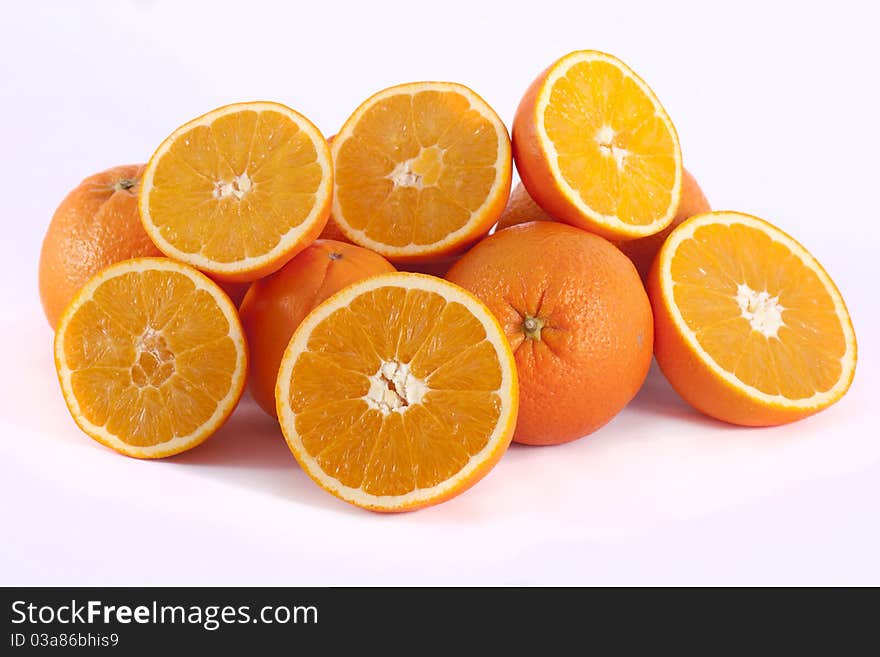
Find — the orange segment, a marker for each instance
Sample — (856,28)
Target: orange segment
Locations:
(753,329)
(398,392)
(151,357)
(239,191)
(595,148)
(422,170)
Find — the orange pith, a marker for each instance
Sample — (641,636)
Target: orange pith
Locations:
(750,328)
(151,357)
(398,392)
(595,148)
(239,191)
(422,170)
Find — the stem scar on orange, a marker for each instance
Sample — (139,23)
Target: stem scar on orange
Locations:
(578,320)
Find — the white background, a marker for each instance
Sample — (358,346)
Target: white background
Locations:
(777,108)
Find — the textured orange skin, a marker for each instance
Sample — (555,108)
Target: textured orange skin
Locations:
(169,452)
(595,348)
(522,208)
(96,225)
(274,306)
(479,230)
(698,384)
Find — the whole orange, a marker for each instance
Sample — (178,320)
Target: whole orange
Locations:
(578,320)
(96,225)
(522,208)
(274,306)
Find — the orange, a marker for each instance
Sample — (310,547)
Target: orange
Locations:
(750,328)
(422,171)
(595,148)
(96,225)
(236,291)
(276,305)
(577,318)
(521,208)
(238,191)
(398,392)
(151,357)
(333,232)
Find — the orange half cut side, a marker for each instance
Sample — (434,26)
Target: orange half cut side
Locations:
(239,191)
(595,148)
(151,357)
(422,171)
(398,392)
(750,327)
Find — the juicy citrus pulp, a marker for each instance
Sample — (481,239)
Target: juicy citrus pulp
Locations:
(422,169)
(398,392)
(151,357)
(595,147)
(759,315)
(239,191)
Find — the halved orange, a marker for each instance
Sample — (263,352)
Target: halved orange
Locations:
(398,392)
(595,148)
(422,171)
(238,191)
(749,328)
(151,357)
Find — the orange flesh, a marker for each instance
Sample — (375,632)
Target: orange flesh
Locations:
(802,356)
(423,443)
(150,357)
(611,146)
(232,189)
(416,167)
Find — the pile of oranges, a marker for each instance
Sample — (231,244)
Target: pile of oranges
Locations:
(400,311)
